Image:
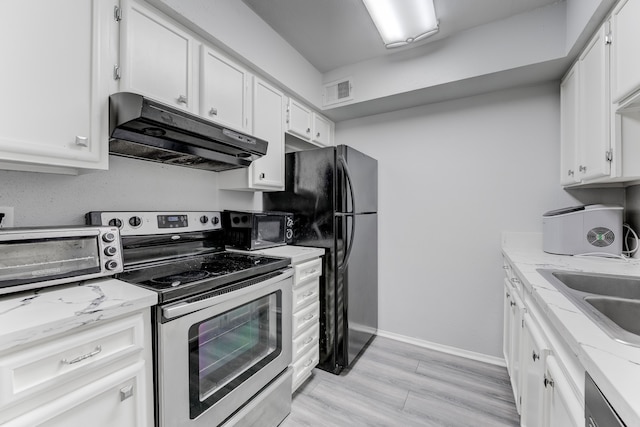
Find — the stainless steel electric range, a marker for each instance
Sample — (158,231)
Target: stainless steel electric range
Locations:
(222,327)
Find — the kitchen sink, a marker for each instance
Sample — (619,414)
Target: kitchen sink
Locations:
(612,302)
(600,284)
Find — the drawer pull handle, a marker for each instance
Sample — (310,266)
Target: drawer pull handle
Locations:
(515,280)
(548,382)
(83,357)
(309,362)
(126,392)
(308,317)
(512,303)
(311,271)
(308,294)
(535,356)
(307,341)
(505,267)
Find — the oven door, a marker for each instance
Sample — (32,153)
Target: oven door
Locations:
(215,354)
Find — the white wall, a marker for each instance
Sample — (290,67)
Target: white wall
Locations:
(48,199)
(452,176)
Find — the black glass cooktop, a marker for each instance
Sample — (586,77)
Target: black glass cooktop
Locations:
(187,276)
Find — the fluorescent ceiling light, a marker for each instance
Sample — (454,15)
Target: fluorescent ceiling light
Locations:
(401,22)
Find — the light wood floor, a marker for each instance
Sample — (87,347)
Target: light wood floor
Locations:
(399,384)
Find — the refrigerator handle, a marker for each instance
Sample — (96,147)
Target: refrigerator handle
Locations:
(349,184)
(349,243)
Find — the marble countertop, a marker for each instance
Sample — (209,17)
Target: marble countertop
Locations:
(33,315)
(614,366)
(297,254)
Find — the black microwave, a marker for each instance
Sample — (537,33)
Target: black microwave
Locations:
(253,230)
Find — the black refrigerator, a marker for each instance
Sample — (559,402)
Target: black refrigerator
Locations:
(333,194)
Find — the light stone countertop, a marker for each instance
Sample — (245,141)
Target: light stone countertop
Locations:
(33,315)
(297,254)
(615,367)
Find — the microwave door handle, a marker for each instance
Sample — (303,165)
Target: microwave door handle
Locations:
(348,184)
(349,243)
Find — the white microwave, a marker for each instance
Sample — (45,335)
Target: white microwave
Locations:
(587,229)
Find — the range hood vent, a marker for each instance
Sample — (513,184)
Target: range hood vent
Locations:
(145,129)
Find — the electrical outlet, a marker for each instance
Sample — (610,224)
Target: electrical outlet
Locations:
(7,219)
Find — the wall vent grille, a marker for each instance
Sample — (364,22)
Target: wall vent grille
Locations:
(337,91)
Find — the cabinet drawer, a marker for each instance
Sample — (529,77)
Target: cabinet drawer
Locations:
(305,318)
(303,367)
(304,342)
(306,271)
(305,294)
(44,366)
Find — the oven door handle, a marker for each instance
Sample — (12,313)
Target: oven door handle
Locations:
(181,308)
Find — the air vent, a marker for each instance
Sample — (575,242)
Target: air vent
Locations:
(337,91)
(600,237)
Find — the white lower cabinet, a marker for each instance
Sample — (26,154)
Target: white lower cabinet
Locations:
(547,378)
(98,376)
(563,408)
(306,315)
(534,355)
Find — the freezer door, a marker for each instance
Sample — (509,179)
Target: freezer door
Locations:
(357,283)
(357,186)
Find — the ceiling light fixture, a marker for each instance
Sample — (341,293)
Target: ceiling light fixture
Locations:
(401,22)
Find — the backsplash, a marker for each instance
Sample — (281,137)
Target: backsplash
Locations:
(48,199)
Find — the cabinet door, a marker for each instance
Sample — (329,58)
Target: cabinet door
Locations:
(563,408)
(507,319)
(321,131)
(517,313)
(224,90)
(115,400)
(594,119)
(156,57)
(625,66)
(534,352)
(54,84)
(569,126)
(268,113)
(299,119)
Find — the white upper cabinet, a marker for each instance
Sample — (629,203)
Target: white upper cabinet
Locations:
(594,120)
(224,90)
(625,77)
(157,57)
(56,73)
(569,126)
(308,125)
(299,119)
(266,173)
(322,130)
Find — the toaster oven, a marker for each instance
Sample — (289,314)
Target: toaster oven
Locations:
(39,257)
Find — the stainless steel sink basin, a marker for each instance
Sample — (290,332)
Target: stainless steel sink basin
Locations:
(600,284)
(611,301)
(623,312)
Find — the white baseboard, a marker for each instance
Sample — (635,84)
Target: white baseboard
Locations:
(444,348)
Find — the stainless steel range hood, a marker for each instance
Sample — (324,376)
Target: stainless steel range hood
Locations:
(145,129)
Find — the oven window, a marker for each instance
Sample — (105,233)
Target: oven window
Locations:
(270,230)
(34,261)
(228,349)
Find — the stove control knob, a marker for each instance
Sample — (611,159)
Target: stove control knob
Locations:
(204,219)
(110,250)
(109,237)
(111,265)
(115,222)
(215,220)
(135,221)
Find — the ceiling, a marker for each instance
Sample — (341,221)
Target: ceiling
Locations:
(334,33)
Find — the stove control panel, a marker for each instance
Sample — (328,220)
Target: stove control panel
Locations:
(152,223)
